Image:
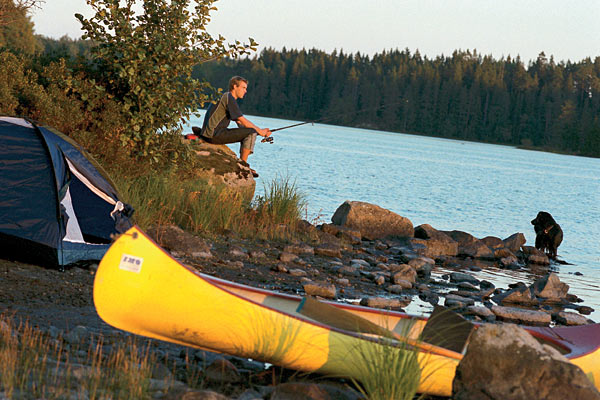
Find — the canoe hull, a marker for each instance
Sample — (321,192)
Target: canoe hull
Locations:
(141,289)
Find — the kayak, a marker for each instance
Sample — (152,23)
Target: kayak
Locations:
(141,289)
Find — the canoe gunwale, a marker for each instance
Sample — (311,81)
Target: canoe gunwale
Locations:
(223,284)
(567,338)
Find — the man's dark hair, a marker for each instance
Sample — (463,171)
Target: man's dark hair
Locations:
(236,81)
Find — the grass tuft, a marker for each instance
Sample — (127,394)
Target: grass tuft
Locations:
(197,206)
(390,369)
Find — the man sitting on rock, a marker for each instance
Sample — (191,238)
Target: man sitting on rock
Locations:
(216,121)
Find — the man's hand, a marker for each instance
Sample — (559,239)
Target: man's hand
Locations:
(266,132)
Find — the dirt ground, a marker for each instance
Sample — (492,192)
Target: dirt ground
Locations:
(48,297)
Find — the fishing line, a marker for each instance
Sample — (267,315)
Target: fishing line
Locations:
(270,139)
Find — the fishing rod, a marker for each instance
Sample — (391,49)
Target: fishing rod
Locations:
(270,139)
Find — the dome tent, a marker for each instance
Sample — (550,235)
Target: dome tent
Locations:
(56,207)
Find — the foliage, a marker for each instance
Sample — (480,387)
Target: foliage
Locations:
(16,28)
(195,205)
(465,96)
(144,62)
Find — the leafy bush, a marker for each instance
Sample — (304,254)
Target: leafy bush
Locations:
(144,61)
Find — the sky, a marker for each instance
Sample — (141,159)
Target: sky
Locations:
(565,29)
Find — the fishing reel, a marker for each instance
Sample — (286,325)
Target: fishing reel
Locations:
(267,140)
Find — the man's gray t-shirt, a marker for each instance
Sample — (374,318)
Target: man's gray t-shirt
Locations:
(218,116)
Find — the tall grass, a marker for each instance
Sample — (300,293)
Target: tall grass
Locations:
(388,370)
(33,365)
(199,207)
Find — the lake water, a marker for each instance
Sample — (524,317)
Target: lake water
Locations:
(483,189)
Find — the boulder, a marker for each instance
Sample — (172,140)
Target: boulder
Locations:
(372,221)
(437,242)
(175,239)
(503,252)
(550,288)
(346,233)
(505,362)
(219,165)
(476,249)
(434,248)
(463,238)
(514,242)
(492,242)
(534,256)
(518,295)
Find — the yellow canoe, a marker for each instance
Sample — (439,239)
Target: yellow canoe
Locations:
(140,288)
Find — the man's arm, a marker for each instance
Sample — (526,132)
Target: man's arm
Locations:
(245,123)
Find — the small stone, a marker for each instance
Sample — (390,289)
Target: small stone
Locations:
(77,335)
(540,260)
(482,312)
(396,289)
(403,284)
(257,254)
(287,257)
(382,266)
(360,263)
(279,268)
(379,279)
(585,310)
(328,250)
(569,318)
(342,281)
(202,254)
(462,277)
(384,302)
(222,370)
(237,252)
(235,264)
(320,289)
(349,271)
(299,249)
(404,272)
(453,300)
(522,316)
(486,285)
(429,297)
(298,272)
(467,286)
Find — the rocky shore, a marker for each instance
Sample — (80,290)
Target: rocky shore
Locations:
(367,255)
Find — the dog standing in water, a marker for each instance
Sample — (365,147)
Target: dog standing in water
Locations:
(549,235)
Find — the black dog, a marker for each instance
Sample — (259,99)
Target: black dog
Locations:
(548,234)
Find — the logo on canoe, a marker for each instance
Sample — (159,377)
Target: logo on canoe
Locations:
(131,263)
